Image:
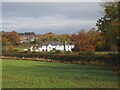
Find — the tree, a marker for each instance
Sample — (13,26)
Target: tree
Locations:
(12,37)
(9,48)
(109,24)
(15,38)
(83,41)
(51,37)
(40,40)
(64,38)
(4,41)
(97,39)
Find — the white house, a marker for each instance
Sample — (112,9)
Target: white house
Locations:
(52,46)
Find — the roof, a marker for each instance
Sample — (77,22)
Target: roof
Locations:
(52,43)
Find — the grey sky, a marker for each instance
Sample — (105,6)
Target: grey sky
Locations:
(50,17)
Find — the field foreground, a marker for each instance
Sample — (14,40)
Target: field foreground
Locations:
(33,74)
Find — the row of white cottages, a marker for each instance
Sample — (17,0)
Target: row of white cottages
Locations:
(52,47)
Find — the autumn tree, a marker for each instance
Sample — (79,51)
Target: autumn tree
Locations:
(12,37)
(4,41)
(83,41)
(40,40)
(97,39)
(51,37)
(64,38)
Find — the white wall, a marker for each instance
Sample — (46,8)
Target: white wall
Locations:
(50,48)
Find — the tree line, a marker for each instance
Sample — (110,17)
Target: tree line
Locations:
(91,40)
(106,37)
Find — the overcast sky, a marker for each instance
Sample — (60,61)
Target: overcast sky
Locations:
(59,17)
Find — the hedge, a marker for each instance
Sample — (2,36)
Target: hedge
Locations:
(106,59)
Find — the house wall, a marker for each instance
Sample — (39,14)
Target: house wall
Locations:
(44,48)
(51,48)
(69,47)
(61,48)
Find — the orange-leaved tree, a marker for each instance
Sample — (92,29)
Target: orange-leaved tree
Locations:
(83,41)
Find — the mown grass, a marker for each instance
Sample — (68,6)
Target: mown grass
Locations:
(32,74)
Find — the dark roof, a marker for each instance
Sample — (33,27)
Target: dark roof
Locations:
(52,43)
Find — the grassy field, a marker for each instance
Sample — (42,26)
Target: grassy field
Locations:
(33,74)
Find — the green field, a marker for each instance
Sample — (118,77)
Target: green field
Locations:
(33,74)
